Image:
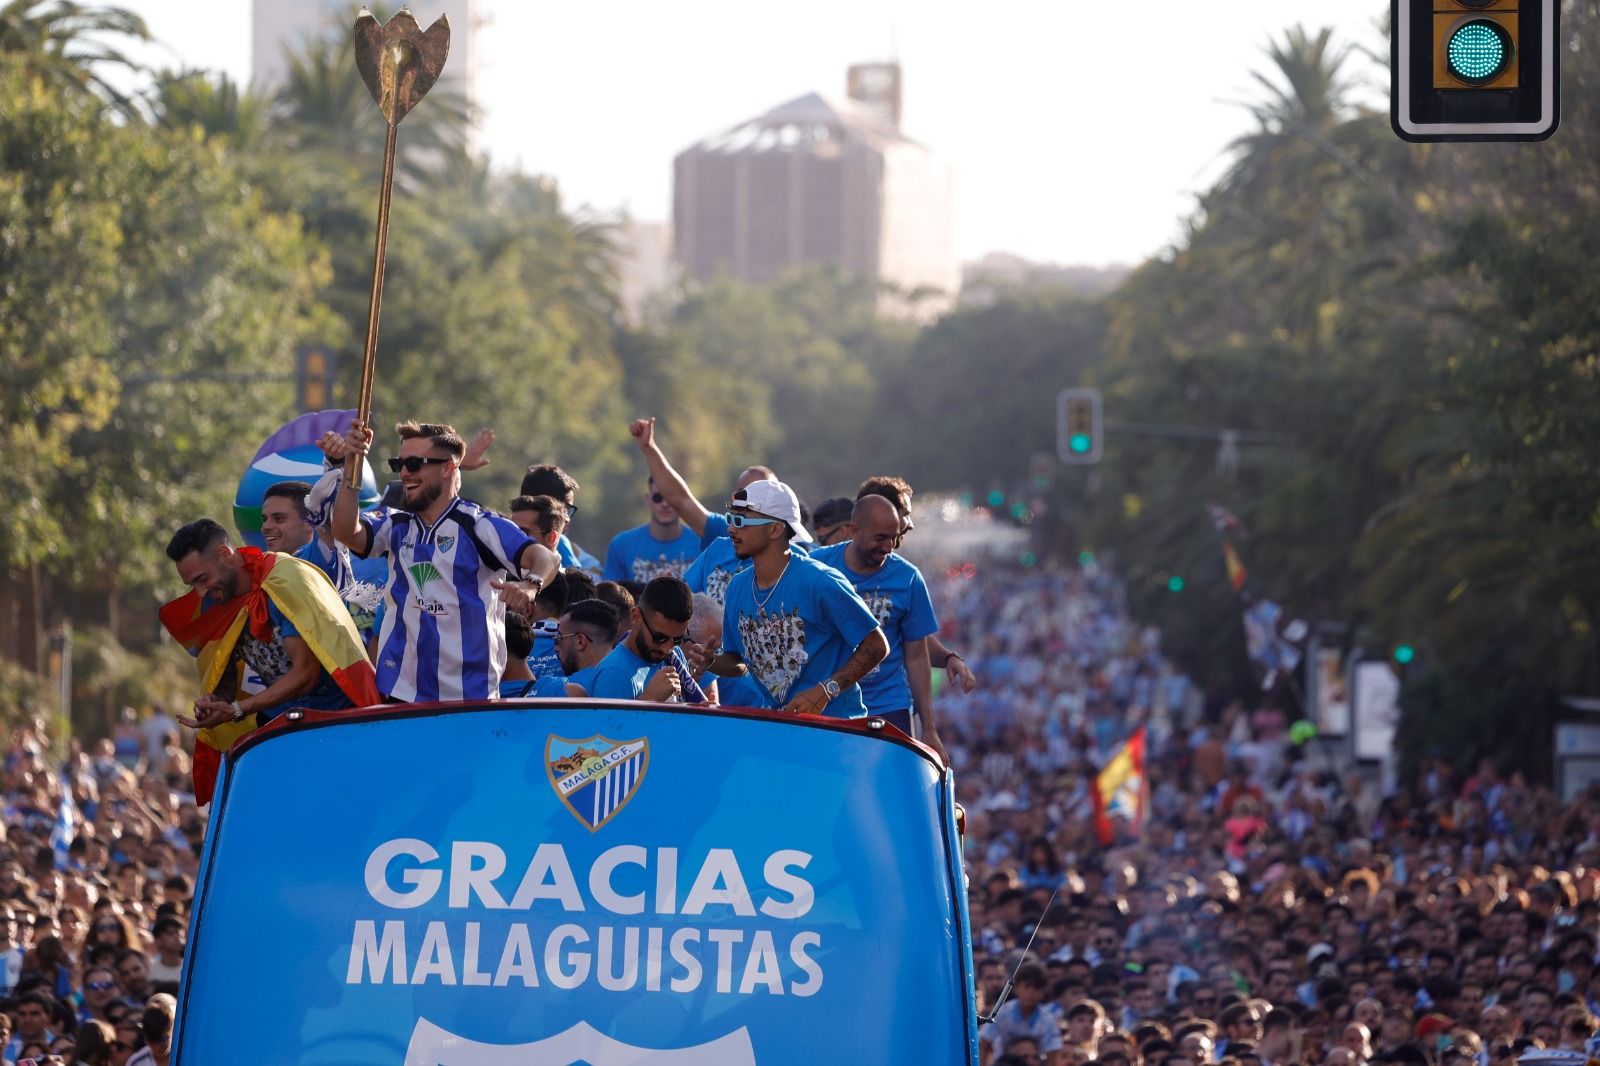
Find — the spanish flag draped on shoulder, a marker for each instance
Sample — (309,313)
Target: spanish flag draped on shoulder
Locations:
(1120,790)
(308,599)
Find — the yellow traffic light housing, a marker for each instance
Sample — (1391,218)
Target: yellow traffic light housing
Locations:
(1079,430)
(1475,44)
(1475,70)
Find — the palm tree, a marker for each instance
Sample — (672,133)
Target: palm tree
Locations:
(1314,92)
(67,44)
(327,111)
(1306,97)
(214,104)
(567,262)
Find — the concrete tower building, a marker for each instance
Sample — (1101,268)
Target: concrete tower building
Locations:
(819,180)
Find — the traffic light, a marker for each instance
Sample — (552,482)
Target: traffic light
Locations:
(1404,654)
(1475,70)
(313,379)
(1079,430)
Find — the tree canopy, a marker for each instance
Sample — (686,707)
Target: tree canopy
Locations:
(1406,336)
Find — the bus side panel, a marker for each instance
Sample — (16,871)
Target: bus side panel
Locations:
(579,884)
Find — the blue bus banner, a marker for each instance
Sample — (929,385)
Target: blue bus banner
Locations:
(567,883)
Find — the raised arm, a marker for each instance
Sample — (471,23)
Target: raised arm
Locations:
(345,523)
(668,481)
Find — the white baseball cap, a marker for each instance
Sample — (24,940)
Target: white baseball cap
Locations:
(775,500)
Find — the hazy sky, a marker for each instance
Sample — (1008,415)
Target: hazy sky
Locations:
(1079,132)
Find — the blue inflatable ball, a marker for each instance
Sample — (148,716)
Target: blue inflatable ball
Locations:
(291,454)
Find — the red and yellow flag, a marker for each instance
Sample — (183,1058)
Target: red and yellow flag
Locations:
(1237,575)
(308,599)
(1119,790)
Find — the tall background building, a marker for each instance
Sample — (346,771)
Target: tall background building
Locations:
(820,180)
(279,25)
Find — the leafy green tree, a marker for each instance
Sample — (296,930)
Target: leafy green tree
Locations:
(216,107)
(69,45)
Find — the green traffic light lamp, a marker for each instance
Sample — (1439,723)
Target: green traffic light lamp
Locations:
(1478,52)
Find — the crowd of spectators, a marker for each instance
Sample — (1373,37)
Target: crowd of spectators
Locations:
(97,861)
(1269,910)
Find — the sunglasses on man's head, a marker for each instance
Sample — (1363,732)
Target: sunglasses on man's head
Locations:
(738,520)
(411,464)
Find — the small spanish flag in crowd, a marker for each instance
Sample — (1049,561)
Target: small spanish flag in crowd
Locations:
(1120,791)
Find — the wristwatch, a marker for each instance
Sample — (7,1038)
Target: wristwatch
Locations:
(238,712)
(831,687)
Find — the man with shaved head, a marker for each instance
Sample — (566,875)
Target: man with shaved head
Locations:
(898,597)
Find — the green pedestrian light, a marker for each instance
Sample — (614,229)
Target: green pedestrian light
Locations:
(996,498)
(1478,52)
(1174,583)
(1404,653)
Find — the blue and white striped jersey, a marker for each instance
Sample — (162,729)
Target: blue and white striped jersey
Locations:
(443,635)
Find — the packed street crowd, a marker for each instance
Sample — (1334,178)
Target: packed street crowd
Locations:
(1259,910)
(1269,911)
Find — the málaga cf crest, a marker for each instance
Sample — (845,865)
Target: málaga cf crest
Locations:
(596,777)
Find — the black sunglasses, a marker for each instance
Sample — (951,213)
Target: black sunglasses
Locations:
(661,638)
(413,463)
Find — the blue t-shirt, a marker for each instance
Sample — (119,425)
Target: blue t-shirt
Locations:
(622,675)
(584,678)
(799,632)
(714,568)
(522,688)
(543,660)
(634,555)
(716,529)
(898,597)
(740,692)
(347,571)
(574,557)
